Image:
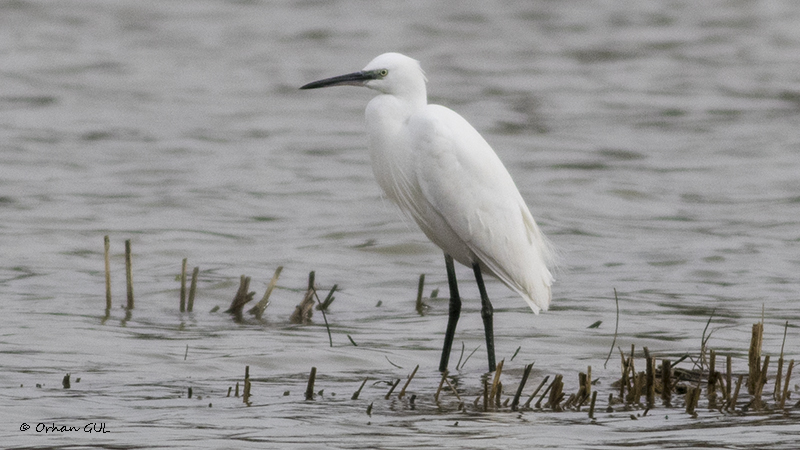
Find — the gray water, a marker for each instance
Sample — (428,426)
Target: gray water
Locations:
(656,143)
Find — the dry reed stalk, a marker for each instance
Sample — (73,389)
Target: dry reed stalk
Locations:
(650,384)
(192,289)
(616,329)
(303,311)
(515,402)
(258,309)
(241,298)
(631,365)
(732,404)
(453,389)
(754,358)
(692,396)
(391,389)
(712,378)
(536,391)
(496,380)
(776,393)
(420,306)
(588,381)
(405,386)
(762,381)
(183,286)
(728,377)
(623,381)
(358,392)
(246,392)
(323,306)
(106,248)
(441,384)
(583,391)
(724,389)
(571,400)
(785,395)
(310,388)
(666,383)
(544,394)
(129,274)
(556,394)
(591,405)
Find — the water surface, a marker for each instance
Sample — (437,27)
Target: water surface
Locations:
(655,143)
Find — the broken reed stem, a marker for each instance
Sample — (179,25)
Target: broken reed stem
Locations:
(515,402)
(258,309)
(192,289)
(242,297)
(692,396)
(405,386)
(310,388)
(324,316)
(724,388)
(453,389)
(762,381)
(420,288)
(616,329)
(129,274)
(754,358)
(588,381)
(556,393)
(246,392)
(623,379)
(712,379)
(328,299)
(391,389)
(728,377)
(441,383)
(777,392)
(528,403)
(303,311)
(591,405)
(785,395)
(106,248)
(666,383)
(496,380)
(650,384)
(732,404)
(183,285)
(358,392)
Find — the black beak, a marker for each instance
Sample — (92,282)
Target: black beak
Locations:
(351,79)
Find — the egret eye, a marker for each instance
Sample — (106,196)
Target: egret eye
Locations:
(383,72)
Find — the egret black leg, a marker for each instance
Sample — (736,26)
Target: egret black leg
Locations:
(486,313)
(455,312)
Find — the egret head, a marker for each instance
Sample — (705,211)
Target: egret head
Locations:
(389,73)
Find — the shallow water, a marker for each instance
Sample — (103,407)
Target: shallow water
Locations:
(655,143)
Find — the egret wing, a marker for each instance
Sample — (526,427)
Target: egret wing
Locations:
(465,182)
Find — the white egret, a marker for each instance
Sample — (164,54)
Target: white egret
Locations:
(439,170)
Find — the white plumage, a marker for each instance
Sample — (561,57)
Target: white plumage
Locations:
(442,173)
(439,170)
